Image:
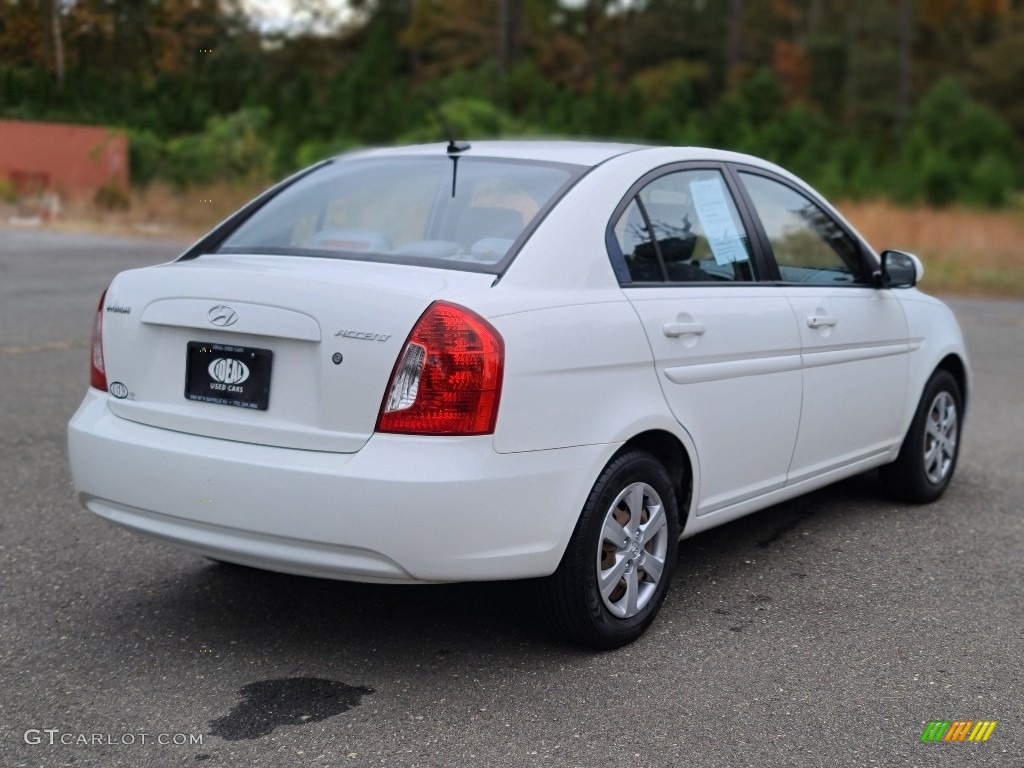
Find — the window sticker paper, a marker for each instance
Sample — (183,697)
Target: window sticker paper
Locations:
(709,198)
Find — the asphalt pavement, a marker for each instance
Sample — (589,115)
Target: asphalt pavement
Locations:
(827,631)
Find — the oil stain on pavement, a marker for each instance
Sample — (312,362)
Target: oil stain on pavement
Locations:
(289,701)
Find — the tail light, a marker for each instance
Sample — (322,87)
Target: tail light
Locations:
(97,371)
(447,381)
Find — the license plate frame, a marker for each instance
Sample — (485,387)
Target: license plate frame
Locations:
(228,374)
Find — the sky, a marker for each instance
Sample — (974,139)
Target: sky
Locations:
(272,12)
(277,15)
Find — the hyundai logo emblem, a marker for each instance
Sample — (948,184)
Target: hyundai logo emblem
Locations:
(222,315)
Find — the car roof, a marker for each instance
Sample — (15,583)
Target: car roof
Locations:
(586,153)
(575,152)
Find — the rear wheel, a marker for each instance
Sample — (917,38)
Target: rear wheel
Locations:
(925,465)
(618,566)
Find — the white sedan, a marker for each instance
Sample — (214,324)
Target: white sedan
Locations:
(512,360)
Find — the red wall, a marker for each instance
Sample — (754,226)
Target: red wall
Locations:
(71,160)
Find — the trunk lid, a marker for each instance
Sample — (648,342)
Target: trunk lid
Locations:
(307,312)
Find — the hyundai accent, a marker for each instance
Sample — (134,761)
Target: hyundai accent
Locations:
(512,360)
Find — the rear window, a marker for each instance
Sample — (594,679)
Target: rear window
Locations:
(408,210)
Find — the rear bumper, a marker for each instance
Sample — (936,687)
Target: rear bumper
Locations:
(403,508)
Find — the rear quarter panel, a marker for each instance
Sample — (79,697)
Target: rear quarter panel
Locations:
(576,375)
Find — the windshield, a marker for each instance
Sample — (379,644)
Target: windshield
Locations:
(407,209)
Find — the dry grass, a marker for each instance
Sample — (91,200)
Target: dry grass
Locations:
(157,211)
(195,210)
(964,251)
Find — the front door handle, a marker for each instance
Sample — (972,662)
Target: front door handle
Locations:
(821,321)
(683,329)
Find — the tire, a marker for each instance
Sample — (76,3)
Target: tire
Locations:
(634,500)
(927,459)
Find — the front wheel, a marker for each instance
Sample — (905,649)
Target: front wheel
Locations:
(618,565)
(927,459)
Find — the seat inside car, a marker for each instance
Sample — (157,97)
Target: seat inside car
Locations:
(479,222)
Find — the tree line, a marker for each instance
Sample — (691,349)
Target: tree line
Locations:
(915,100)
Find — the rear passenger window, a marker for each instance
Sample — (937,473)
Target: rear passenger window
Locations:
(684,227)
(403,209)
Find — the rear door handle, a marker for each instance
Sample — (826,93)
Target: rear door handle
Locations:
(821,321)
(684,329)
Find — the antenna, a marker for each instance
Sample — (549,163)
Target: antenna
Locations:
(455,148)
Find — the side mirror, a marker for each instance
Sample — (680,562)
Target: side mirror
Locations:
(900,269)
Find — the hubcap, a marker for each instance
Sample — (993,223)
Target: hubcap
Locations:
(632,550)
(940,436)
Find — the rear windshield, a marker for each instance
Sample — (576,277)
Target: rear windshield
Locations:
(431,210)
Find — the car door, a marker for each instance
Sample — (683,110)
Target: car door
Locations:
(725,346)
(854,339)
